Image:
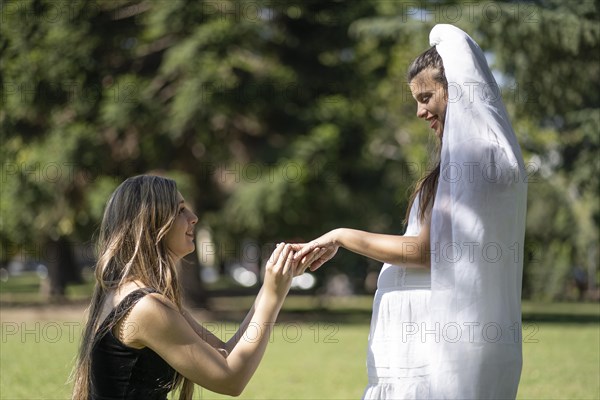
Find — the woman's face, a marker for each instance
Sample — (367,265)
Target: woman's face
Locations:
(432,99)
(180,238)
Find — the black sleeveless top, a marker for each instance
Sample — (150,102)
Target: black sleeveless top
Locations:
(122,372)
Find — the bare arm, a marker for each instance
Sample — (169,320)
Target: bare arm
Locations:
(213,340)
(231,343)
(204,333)
(165,330)
(412,251)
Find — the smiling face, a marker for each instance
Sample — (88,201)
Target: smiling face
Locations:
(432,99)
(180,238)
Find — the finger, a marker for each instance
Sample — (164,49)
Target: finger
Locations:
(283,257)
(297,246)
(302,268)
(297,267)
(306,268)
(309,258)
(315,255)
(305,250)
(275,255)
(287,267)
(322,254)
(318,263)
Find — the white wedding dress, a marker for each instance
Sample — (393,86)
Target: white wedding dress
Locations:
(453,332)
(478,228)
(398,357)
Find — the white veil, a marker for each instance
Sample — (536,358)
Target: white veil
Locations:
(477,233)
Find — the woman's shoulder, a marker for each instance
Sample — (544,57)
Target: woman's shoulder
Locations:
(154,310)
(134,291)
(156,322)
(151,312)
(154,301)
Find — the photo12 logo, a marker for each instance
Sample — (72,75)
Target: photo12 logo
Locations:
(488,11)
(468,332)
(40,332)
(289,332)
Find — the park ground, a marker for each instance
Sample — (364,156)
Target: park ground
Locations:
(317,350)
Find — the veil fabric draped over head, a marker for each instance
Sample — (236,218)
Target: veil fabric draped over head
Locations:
(477,233)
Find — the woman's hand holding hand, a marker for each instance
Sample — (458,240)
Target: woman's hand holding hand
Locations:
(314,254)
(279,271)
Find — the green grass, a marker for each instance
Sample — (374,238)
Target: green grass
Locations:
(24,289)
(322,357)
(310,361)
(303,361)
(32,367)
(318,350)
(564,363)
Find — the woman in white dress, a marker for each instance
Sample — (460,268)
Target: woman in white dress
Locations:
(446,314)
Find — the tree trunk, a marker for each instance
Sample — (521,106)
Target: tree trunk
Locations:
(192,286)
(62,269)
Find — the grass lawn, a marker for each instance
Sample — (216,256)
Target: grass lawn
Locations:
(310,361)
(303,361)
(563,364)
(315,353)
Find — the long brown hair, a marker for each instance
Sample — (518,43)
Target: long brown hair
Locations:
(427,185)
(137,217)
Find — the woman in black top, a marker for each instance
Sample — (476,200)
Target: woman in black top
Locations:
(123,372)
(139,342)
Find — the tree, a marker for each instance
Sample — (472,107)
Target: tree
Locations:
(94,93)
(545,56)
(555,70)
(279,120)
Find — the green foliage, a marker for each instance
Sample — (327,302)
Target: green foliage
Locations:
(283,125)
(547,56)
(554,70)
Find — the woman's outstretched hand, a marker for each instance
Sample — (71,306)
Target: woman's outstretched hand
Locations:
(314,254)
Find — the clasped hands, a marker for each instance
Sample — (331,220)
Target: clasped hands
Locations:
(309,256)
(293,259)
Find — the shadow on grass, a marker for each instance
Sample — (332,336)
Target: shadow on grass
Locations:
(358,310)
(299,307)
(315,317)
(232,305)
(361,316)
(561,318)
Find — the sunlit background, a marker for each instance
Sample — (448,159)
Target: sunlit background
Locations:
(280,120)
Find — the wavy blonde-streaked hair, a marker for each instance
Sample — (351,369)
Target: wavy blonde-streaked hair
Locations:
(130,247)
